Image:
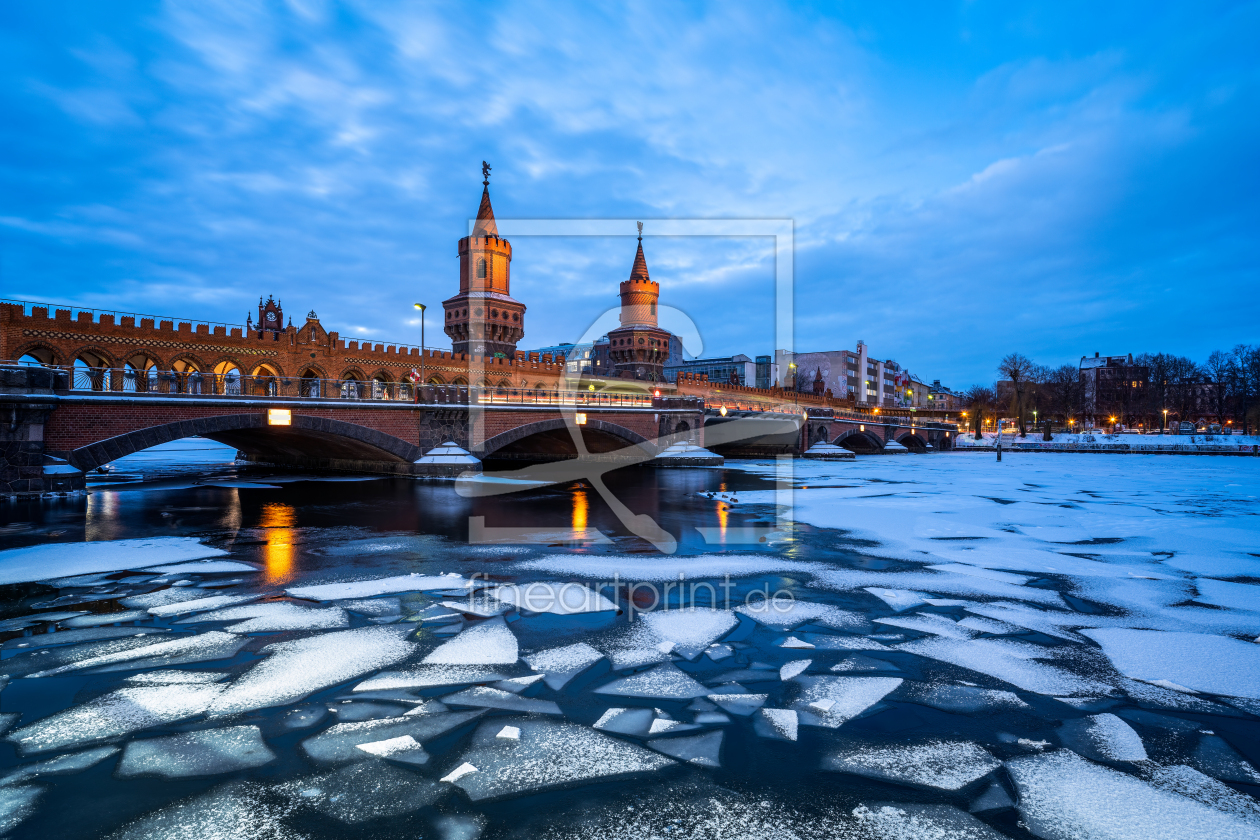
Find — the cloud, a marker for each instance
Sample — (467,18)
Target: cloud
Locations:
(1037,184)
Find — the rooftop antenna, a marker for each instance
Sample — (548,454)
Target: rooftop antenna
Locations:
(485,173)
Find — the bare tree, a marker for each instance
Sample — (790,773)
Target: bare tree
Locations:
(1221,368)
(1063,390)
(1247,362)
(1017,368)
(979,401)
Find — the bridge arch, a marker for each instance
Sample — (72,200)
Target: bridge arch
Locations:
(913,442)
(860,442)
(43,353)
(550,440)
(308,438)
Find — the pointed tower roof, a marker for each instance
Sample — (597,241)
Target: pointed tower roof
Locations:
(485,225)
(639,272)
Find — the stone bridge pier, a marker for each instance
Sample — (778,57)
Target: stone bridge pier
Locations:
(27,398)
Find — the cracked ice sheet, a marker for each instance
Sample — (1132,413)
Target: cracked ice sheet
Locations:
(203,647)
(114,715)
(785,615)
(377,586)
(1064,797)
(939,582)
(560,665)
(487,643)
(235,811)
(830,701)
(298,668)
(548,755)
(56,560)
(275,616)
(556,598)
(1211,664)
(635,567)
(936,765)
(1010,662)
(691,631)
(205,752)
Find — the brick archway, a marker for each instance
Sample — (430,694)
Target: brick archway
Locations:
(500,441)
(859,441)
(250,431)
(913,442)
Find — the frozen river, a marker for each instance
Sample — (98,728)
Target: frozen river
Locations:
(1057,646)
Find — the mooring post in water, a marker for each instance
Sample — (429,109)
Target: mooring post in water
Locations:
(999,441)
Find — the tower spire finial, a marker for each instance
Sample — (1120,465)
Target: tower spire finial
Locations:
(640,224)
(485,173)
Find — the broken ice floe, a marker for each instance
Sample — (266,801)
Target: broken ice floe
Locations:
(113,715)
(1102,737)
(203,567)
(404,748)
(186,649)
(175,677)
(638,567)
(780,724)
(939,765)
(664,682)
(1217,758)
(962,698)
(548,755)
(493,698)
(794,668)
(294,669)
(274,617)
(430,676)
(916,821)
(555,598)
(73,637)
(369,790)
(61,765)
(205,752)
(690,631)
(17,803)
(787,614)
(340,742)
(377,586)
(213,602)
(487,643)
(233,811)
(54,560)
(738,703)
(1012,662)
(1214,664)
(701,750)
(562,664)
(830,701)
(1062,797)
(97,620)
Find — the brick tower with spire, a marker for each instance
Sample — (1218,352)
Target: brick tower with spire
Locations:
(484,319)
(639,348)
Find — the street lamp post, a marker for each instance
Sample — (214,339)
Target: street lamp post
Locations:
(1164,428)
(420,384)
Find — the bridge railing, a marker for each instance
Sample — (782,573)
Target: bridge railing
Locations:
(871,417)
(197,384)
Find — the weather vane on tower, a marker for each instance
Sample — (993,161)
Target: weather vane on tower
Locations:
(485,173)
(640,224)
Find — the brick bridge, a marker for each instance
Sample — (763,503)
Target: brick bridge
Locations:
(86,387)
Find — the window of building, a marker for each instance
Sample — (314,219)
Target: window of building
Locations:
(481,269)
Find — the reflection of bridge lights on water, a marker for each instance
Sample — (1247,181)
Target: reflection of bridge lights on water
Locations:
(581,510)
(279,519)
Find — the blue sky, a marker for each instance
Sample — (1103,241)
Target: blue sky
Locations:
(965,179)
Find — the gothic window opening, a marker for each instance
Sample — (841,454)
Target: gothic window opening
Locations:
(481,269)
